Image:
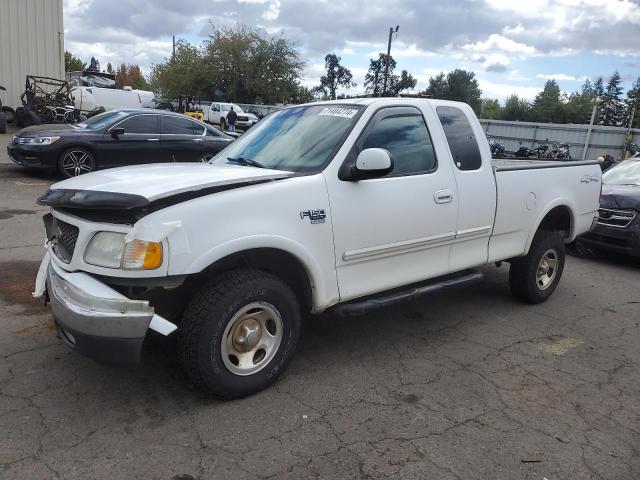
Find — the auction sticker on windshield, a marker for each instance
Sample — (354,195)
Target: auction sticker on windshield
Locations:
(338,112)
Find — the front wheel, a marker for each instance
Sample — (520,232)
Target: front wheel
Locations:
(534,277)
(76,161)
(239,333)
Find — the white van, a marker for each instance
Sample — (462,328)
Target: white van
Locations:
(90,98)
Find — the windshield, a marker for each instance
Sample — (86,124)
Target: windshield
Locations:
(626,173)
(226,108)
(296,139)
(102,120)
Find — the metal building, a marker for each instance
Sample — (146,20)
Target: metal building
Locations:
(599,140)
(31,43)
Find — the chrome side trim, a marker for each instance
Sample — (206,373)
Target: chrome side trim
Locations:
(398,246)
(472,232)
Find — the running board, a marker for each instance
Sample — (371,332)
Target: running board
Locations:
(385,299)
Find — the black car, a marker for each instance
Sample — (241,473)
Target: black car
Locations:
(116,138)
(618,227)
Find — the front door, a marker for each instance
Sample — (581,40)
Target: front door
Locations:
(140,142)
(397,229)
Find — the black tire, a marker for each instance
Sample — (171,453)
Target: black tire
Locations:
(84,162)
(3,123)
(223,124)
(9,114)
(201,339)
(526,281)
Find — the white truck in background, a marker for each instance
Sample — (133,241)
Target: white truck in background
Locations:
(216,114)
(340,206)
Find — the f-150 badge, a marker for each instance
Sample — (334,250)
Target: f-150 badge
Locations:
(316,216)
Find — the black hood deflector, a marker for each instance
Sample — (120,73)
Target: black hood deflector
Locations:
(128,208)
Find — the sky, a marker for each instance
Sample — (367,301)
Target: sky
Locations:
(512,46)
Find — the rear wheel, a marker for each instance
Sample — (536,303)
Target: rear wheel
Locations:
(534,277)
(223,124)
(3,123)
(76,161)
(239,333)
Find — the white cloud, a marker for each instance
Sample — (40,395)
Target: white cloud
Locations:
(502,90)
(560,77)
(499,42)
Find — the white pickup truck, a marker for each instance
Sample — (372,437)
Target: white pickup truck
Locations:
(216,114)
(340,206)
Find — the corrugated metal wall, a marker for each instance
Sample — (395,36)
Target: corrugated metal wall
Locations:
(603,140)
(31,43)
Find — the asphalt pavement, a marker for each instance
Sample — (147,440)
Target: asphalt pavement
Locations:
(465,384)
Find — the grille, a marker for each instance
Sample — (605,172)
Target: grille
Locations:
(616,218)
(65,241)
(242,118)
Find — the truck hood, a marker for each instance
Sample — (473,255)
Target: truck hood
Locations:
(157,181)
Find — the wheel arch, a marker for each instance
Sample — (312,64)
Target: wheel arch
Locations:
(284,258)
(557,217)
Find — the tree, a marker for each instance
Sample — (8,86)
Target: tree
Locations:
(438,87)
(547,106)
(183,74)
(130,76)
(490,109)
(612,110)
(405,81)
(374,78)
(337,76)
(73,63)
(516,108)
(633,100)
(110,68)
(462,86)
(598,87)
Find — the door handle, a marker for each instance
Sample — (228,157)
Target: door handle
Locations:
(153,139)
(443,196)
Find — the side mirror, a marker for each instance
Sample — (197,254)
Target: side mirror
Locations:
(372,163)
(116,132)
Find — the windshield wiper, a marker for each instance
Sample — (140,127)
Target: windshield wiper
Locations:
(246,162)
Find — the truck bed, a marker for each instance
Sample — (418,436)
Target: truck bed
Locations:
(510,164)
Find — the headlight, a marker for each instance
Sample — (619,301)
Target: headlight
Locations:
(108,249)
(38,140)
(105,250)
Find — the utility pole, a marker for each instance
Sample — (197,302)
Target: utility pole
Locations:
(173,56)
(387,58)
(588,139)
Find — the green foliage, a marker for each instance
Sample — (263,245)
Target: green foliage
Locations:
(405,81)
(240,64)
(491,109)
(72,63)
(336,76)
(633,100)
(459,85)
(131,76)
(516,108)
(547,106)
(612,108)
(374,78)
(110,68)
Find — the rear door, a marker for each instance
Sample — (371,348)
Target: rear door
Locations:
(470,156)
(182,138)
(140,142)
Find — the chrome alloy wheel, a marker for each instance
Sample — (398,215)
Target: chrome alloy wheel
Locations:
(77,162)
(251,338)
(547,269)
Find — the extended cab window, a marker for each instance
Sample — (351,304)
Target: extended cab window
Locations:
(461,139)
(403,132)
(141,124)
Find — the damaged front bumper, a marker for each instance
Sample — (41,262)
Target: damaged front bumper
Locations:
(94,319)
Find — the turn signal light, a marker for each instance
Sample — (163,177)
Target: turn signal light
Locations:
(140,254)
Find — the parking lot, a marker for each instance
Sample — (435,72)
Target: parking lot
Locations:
(466,384)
